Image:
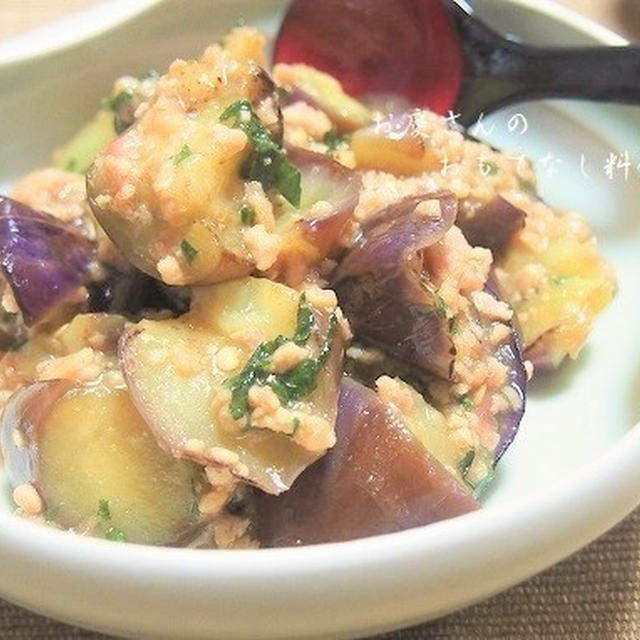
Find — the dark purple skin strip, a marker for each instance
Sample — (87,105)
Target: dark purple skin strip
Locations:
(492,225)
(381,288)
(509,353)
(376,479)
(43,259)
(24,412)
(323,178)
(129,291)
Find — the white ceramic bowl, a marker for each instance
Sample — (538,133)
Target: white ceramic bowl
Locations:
(572,473)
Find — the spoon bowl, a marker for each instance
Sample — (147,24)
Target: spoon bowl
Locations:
(438,54)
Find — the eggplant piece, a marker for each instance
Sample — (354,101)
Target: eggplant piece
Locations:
(96,466)
(311,233)
(324,92)
(80,151)
(394,144)
(382,289)
(474,455)
(195,205)
(472,466)
(388,288)
(573,284)
(377,479)
(84,349)
(44,261)
(131,292)
(509,353)
(492,225)
(190,378)
(59,193)
(169,191)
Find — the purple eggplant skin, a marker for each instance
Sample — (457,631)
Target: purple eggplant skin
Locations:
(130,292)
(23,413)
(381,285)
(492,225)
(323,178)
(43,259)
(314,236)
(376,479)
(509,353)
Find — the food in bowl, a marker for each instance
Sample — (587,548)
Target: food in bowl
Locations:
(273,315)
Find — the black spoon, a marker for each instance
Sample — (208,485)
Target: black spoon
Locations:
(438,54)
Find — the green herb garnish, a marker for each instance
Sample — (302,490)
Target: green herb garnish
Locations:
(150,74)
(104,516)
(267,162)
(526,185)
(247,215)
(466,402)
(189,252)
(303,378)
(333,140)
(291,385)
(51,514)
(182,155)
(296,425)
(254,370)
(481,487)
(115,535)
(453,325)
(288,180)
(466,462)
(104,512)
(558,280)
(441,307)
(115,102)
(304,321)
(488,168)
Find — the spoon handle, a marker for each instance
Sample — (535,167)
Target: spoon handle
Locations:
(606,74)
(514,73)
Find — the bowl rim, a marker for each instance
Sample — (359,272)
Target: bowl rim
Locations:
(70,30)
(85,24)
(615,473)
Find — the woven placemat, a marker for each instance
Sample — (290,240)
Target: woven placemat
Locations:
(595,594)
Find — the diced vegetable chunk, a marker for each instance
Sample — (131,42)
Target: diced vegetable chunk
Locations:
(96,466)
(382,288)
(414,288)
(394,144)
(312,231)
(44,261)
(556,284)
(378,478)
(248,378)
(81,351)
(324,92)
(78,153)
(168,191)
